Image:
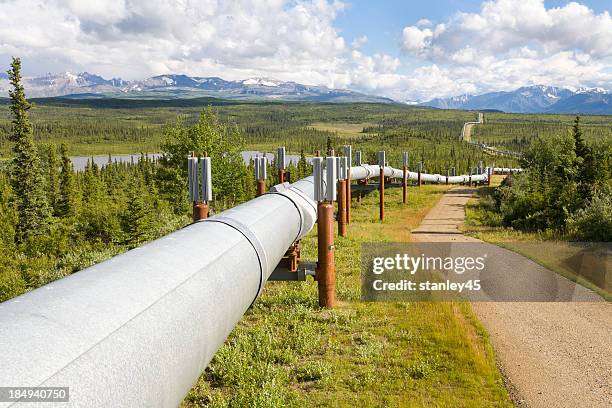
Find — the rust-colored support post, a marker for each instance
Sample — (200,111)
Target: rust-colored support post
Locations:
(470,178)
(489,174)
(281,176)
(382,194)
(419,178)
(261,187)
(200,211)
(405,185)
(348,195)
(326,271)
(342,208)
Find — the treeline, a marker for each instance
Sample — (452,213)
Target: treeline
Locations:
(515,132)
(565,189)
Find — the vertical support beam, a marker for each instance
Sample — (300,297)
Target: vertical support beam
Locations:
(281,164)
(405,177)
(470,177)
(419,175)
(348,195)
(200,211)
(261,188)
(261,174)
(382,194)
(381,163)
(348,153)
(489,174)
(326,270)
(405,185)
(342,208)
(447,173)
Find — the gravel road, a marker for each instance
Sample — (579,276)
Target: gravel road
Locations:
(551,354)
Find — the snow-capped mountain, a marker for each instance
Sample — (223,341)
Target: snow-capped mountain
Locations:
(533,99)
(177,85)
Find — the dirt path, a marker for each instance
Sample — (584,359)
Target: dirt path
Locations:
(467,134)
(551,354)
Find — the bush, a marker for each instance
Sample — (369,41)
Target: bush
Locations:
(594,223)
(11,282)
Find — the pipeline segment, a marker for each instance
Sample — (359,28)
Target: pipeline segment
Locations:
(139,328)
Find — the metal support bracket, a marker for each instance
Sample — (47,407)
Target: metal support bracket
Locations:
(282,273)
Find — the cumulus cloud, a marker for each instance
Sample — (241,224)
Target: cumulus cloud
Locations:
(359,41)
(511,43)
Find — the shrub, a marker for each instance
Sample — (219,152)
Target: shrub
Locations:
(594,223)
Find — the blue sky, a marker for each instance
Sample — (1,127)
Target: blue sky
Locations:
(407,50)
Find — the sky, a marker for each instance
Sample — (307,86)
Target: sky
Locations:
(406,50)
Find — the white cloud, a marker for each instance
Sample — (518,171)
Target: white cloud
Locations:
(512,43)
(359,41)
(424,23)
(415,39)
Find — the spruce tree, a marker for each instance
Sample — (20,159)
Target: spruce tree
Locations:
(585,169)
(52,176)
(329,146)
(137,220)
(66,203)
(26,175)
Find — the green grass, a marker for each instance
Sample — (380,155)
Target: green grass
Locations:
(287,352)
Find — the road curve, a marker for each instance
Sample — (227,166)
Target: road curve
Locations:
(551,354)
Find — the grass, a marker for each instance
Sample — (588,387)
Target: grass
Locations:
(287,352)
(545,248)
(342,129)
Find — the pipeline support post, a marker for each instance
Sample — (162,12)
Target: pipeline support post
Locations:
(381,163)
(281,164)
(405,177)
(261,174)
(342,208)
(489,174)
(342,195)
(326,271)
(404,185)
(199,195)
(324,195)
(348,153)
(348,195)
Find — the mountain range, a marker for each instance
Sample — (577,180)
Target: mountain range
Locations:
(528,99)
(533,99)
(86,85)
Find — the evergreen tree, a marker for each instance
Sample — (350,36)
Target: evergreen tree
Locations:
(137,221)
(66,203)
(329,146)
(584,165)
(302,167)
(26,175)
(52,176)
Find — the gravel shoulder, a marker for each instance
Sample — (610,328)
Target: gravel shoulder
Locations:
(551,354)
